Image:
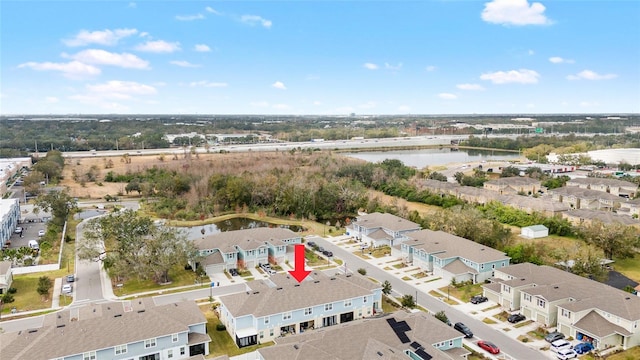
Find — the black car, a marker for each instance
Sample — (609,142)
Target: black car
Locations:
(463,329)
(515,318)
(233,272)
(328,253)
(311,244)
(551,337)
(478,299)
(321,249)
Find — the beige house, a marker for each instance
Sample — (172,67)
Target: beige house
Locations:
(6,276)
(613,186)
(514,185)
(378,229)
(581,216)
(630,207)
(580,198)
(579,307)
(545,206)
(440,187)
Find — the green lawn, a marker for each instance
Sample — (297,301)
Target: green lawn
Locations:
(221,341)
(313,259)
(631,354)
(27,298)
(463,293)
(629,267)
(388,305)
(178,275)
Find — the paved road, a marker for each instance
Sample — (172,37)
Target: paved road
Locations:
(88,286)
(481,331)
(200,294)
(22,324)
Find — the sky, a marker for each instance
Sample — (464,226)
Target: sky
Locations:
(319,57)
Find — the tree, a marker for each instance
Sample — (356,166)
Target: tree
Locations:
(442,316)
(58,203)
(437,176)
(386,287)
(131,245)
(408,301)
(510,171)
(615,240)
(44,285)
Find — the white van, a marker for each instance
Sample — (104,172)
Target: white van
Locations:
(34,244)
(560,344)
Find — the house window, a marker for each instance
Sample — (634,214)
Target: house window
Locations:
(271,332)
(182,350)
(91,355)
(566,313)
(121,349)
(286,316)
(266,320)
(174,337)
(150,343)
(527,297)
(506,288)
(364,299)
(328,307)
(541,303)
(261,334)
(170,354)
(450,342)
(504,264)
(481,266)
(347,303)
(308,311)
(493,266)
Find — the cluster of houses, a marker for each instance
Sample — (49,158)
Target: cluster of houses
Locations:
(580,201)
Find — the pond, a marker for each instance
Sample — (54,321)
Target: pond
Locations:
(240,223)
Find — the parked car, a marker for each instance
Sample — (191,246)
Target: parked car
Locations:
(18,230)
(463,329)
(33,244)
(488,346)
(583,347)
(559,345)
(321,249)
(67,288)
(551,337)
(478,299)
(41,233)
(566,353)
(515,318)
(311,244)
(328,253)
(71,278)
(233,272)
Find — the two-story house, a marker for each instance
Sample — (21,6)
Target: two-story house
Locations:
(452,257)
(579,198)
(579,307)
(399,336)
(378,229)
(585,217)
(612,186)
(136,329)
(9,218)
(514,185)
(630,208)
(241,249)
(280,306)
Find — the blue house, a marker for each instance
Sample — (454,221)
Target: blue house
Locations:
(135,329)
(242,249)
(452,257)
(9,218)
(280,306)
(378,229)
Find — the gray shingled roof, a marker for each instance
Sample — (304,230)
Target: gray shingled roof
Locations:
(445,245)
(363,339)
(212,259)
(602,181)
(4,267)
(594,324)
(280,293)
(247,239)
(100,329)
(457,267)
(585,193)
(514,181)
(606,217)
(386,221)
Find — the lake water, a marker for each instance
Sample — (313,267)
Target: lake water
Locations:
(197,232)
(430,157)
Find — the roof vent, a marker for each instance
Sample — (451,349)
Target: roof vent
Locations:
(379,353)
(108,307)
(348,275)
(140,302)
(256,292)
(279,288)
(316,281)
(296,346)
(61,325)
(627,298)
(59,316)
(31,331)
(117,315)
(296,285)
(140,311)
(482,249)
(332,278)
(555,287)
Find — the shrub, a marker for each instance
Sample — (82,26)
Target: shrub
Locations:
(12,290)
(362,271)
(7,298)
(221,327)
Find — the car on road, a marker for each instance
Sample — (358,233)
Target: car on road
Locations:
(41,233)
(558,345)
(327,253)
(551,337)
(515,318)
(463,329)
(71,278)
(566,353)
(488,346)
(311,244)
(478,299)
(67,288)
(583,347)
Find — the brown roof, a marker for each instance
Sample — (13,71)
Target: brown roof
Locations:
(95,326)
(606,217)
(594,324)
(457,267)
(280,293)
(211,259)
(380,235)
(386,221)
(366,339)
(247,239)
(445,245)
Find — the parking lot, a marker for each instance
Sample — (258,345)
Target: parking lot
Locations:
(29,232)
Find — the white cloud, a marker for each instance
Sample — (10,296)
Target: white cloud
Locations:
(259,103)
(559,60)
(281,106)
(591,75)
(209,9)
(404,108)
(531,52)
(183,63)
(189,17)
(317,103)
(278,85)
(102,57)
(370,66)
(202,48)
(105,37)
(205,83)
(431,68)
(469,87)
(144,34)
(132,5)
(447,96)
(72,70)
(393,67)
(367,105)
(514,12)
(121,89)
(256,20)
(51,99)
(522,76)
(159,46)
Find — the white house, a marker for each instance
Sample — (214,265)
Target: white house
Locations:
(378,229)
(535,231)
(6,276)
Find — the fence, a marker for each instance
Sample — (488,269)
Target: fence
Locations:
(42,268)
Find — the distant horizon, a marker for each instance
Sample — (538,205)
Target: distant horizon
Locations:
(320,58)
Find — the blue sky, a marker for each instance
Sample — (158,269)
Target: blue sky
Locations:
(319,57)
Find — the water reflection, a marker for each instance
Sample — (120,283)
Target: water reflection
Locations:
(239,223)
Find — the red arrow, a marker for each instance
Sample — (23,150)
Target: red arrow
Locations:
(298,272)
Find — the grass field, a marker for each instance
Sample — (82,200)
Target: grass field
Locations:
(221,342)
(464,292)
(27,298)
(178,275)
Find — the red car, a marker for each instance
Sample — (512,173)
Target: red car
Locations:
(489,346)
